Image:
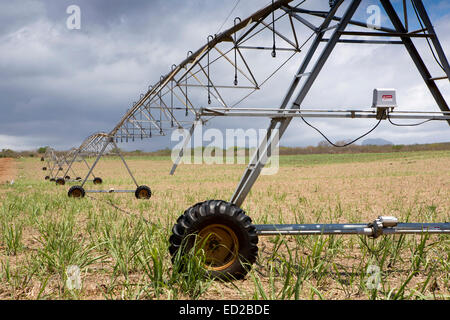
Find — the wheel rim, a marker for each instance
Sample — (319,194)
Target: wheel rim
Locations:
(220,245)
(143,194)
(76,193)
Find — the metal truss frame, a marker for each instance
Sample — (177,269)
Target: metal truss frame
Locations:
(156,111)
(97,146)
(55,163)
(280,124)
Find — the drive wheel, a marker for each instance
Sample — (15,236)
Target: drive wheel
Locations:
(76,192)
(44,168)
(98,180)
(60,182)
(143,192)
(223,232)
(47,178)
(67,177)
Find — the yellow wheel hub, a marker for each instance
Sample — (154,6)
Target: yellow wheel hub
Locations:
(143,194)
(220,245)
(76,193)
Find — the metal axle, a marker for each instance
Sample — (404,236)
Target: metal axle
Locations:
(384,225)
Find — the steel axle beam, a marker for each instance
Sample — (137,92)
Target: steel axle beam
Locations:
(381,226)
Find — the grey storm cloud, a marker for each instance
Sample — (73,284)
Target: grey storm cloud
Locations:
(58,86)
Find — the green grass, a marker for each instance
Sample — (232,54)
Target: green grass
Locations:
(125,256)
(321,159)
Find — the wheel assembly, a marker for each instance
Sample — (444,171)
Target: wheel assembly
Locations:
(76,192)
(47,178)
(67,177)
(60,182)
(143,192)
(44,168)
(222,232)
(97,180)
(52,179)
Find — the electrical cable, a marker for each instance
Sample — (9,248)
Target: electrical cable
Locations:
(406,124)
(347,144)
(120,209)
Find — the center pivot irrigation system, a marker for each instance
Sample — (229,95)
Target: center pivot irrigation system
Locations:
(285,28)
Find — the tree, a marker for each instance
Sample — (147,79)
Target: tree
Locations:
(42,150)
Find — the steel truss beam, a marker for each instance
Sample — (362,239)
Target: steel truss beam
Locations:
(156,111)
(280,124)
(98,145)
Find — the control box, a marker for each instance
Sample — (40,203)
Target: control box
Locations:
(384,98)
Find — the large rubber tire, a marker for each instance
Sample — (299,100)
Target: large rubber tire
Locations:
(76,192)
(143,193)
(97,180)
(223,231)
(60,182)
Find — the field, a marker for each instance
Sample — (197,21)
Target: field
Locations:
(120,244)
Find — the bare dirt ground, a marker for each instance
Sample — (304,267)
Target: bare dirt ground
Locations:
(7,170)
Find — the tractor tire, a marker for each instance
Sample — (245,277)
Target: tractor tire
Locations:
(143,193)
(47,178)
(76,192)
(67,177)
(98,180)
(60,182)
(225,234)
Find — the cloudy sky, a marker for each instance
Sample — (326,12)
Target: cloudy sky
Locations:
(58,86)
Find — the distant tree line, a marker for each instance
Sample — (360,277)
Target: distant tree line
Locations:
(322,148)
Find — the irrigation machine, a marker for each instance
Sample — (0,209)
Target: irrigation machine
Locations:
(54,164)
(98,145)
(272,36)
